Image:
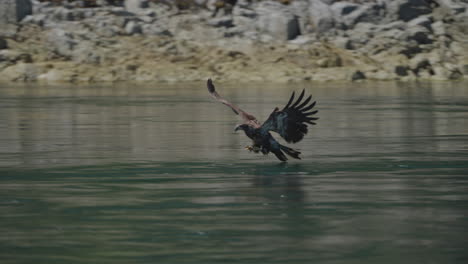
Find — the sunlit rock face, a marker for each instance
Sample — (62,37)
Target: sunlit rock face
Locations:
(269,40)
(12,11)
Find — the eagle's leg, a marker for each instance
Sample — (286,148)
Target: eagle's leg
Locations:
(254,148)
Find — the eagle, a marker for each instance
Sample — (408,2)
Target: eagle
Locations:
(290,123)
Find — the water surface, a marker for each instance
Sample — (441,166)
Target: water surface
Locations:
(155,174)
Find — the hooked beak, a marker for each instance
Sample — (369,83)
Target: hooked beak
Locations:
(237,128)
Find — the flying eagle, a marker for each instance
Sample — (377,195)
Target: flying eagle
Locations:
(290,123)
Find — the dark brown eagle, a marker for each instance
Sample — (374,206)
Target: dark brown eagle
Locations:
(290,123)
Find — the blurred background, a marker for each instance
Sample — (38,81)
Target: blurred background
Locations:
(278,41)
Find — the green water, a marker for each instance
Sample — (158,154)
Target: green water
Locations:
(155,174)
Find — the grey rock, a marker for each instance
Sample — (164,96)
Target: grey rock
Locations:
(239,11)
(424,21)
(303,40)
(13,11)
(244,24)
(225,21)
(458,48)
(109,31)
(24,72)
(63,14)
(401,25)
(61,42)
(147,19)
(342,42)
(150,13)
(465,69)
(410,49)
(300,10)
(136,6)
(446,72)
(3,44)
(454,6)
(419,34)
(38,19)
(358,75)
(321,16)
(155,30)
(419,61)
(438,28)
(133,28)
(86,52)
(109,26)
(361,34)
(401,70)
(407,10)
(104,2)
(277,21)
(343,8)
(13,56)
(369,13)
(395,33)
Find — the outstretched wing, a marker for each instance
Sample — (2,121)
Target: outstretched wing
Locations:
(247,118)
(291,122)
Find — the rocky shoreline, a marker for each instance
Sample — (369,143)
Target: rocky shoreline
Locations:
(318,40)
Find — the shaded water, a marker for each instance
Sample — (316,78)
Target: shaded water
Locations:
(141,174)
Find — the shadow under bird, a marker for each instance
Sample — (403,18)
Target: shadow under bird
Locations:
(290,123)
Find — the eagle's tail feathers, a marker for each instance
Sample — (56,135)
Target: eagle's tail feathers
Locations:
(291,152)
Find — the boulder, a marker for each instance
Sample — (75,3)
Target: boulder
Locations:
(225,21)
(20,72)
(277,21)
(343,8)
(132,28)
(464,68)
(407,10)
(57,75)
(401,70)
(38,19)
(424,21)
(240,11)
(13,11)
(446,72)
(86,52)
(420,62)
(419,34)
(453,6)
(3,44)
(13,56)
(369,13)
(342,42)
(301,10)
(61,42)
(136,6)
(64,14)
(358,75)
(438,28)
(321,16)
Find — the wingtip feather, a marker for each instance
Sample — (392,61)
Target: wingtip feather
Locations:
(290,100)
(210,85)
(299,99)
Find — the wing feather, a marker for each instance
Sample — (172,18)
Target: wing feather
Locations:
(291,122)
(290,101)
(247,118)
(305,102)
(308,107)
(299,99)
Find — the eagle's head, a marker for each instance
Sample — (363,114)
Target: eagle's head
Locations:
(244,127)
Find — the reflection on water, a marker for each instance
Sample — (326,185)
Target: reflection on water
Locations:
(142,174)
